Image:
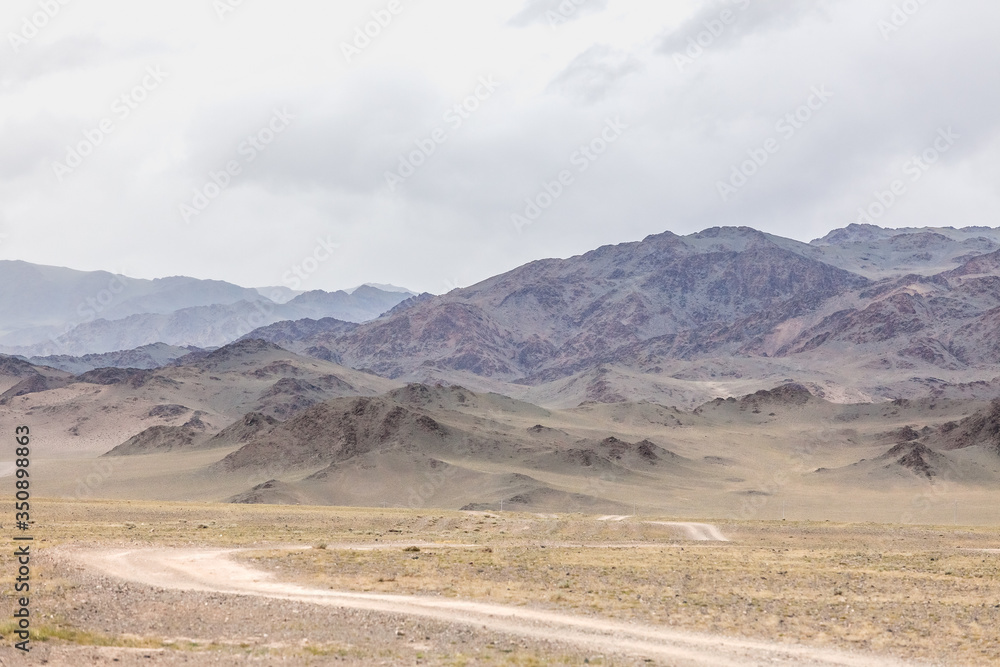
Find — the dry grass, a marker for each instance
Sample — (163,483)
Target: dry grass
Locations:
(913,592)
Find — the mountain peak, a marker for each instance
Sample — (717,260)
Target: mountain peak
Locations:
(242,348)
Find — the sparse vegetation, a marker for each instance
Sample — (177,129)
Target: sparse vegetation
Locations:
(912,592)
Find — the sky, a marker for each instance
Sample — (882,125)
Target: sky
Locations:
(435,143)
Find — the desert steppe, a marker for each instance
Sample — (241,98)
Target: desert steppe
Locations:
(155,583)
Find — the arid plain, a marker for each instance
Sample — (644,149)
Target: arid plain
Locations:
(721,449)
(135,582)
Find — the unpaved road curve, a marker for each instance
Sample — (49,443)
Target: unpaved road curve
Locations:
(211,570)
(702,532)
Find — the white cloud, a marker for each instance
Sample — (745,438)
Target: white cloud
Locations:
(451,219)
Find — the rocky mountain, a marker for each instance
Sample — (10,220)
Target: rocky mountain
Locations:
(950,320)
(162,438)
(465,442)
(291,333)
(192,400)
(554,317)
(980,429)
(958,452)
(885,253)
(864,313)
(146,357)
(448,446)
(19,377)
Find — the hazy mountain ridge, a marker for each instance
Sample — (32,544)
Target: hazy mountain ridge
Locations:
(43,300)
(48,311)
(671,319)
(145,357)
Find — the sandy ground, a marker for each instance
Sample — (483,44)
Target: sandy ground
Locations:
(700,532)
(163,584)
(212,571)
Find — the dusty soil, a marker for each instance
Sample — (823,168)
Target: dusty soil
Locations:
(212,570)
(879,594)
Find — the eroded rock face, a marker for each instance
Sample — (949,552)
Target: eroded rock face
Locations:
(980,429)
(895,299)
(337,430)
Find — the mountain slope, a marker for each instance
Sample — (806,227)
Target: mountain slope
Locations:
(552,318)
(677,318)
(104,408)
(146,356)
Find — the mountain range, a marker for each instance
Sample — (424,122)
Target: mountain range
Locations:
(48,311)
(253,423)
(864,313)
(705,374)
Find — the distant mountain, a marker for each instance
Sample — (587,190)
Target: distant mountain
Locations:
(278,294)
(39,301)
(864,313)
(876,252)
(552,318)
(383,287)
(858,233)
(48,311)
(362,304)
(145,357)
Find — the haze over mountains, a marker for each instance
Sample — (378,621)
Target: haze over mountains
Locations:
(667,369)
(865,313)
(49,310)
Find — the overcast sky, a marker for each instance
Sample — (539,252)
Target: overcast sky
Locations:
(115,115)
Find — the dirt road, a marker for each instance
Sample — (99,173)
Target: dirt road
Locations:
(211,570)
(702,532)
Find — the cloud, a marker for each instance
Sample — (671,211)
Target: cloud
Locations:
(592,75)
(554,12)
(451,219)
(724,23)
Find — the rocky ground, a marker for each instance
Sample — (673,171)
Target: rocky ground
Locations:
(923,595)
